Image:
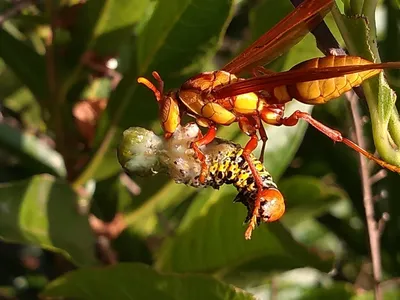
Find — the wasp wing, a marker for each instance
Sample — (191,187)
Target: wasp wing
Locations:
(270,81)
(288,32)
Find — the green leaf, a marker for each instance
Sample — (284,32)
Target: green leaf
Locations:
(337,291)
(267,14)
(33,153)
(10,83)
(211,238)
(102,28)
(103,25)
(180,36)
(43,211)
(307,197)
(130,247)
(138,281)
(392,294)
(26,64)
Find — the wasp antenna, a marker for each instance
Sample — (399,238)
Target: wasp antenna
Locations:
(159,80)
(147,83)
(390,65)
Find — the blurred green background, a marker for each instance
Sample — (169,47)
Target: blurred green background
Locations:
(73,225)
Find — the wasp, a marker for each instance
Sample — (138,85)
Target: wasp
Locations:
(142,152)
(222,98)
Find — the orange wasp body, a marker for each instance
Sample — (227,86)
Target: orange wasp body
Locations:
(220,98)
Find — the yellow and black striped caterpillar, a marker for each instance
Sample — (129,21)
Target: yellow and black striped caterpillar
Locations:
(142,152)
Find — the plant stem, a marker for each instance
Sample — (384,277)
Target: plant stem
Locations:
(372,226)
(50,60)
(55,108)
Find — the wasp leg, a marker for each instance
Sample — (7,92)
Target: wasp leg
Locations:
(204,140)
(335,136)
(249,126)
(248,149)
(264,138)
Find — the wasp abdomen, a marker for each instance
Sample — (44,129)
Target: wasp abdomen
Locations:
(321,91)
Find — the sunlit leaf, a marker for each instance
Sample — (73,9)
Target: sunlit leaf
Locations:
(128,281)
(26,64)
(43,211)
(174,46)
(212,237)
(307,196)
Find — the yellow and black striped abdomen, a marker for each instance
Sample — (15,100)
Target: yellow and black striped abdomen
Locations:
(321,91)
(230,167)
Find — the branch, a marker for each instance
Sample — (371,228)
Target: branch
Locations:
(372,226)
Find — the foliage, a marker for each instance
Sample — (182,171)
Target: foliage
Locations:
(67,209)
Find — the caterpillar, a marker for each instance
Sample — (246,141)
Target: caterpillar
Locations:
(142,152)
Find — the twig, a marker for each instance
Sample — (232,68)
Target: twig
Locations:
(110,230)
(391,281)
(14,10)
(105,252)
(382,222)
(377,176)
(373,230)
(132,186)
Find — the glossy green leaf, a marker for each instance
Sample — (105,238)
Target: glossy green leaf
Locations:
(103,25)
(43,211)
(18,97)
(26,64)
(177,40)
(263,18)
(211,238)
(33,153)
(179,37)
(138,281)
(307,197)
